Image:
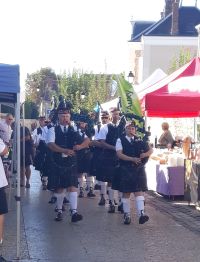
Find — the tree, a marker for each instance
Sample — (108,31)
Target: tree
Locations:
(31,110)
(95,87)
(41,85)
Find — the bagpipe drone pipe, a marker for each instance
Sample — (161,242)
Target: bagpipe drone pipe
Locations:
(138,122)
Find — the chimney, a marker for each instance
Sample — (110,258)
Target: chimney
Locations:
(168,7)
(175,15)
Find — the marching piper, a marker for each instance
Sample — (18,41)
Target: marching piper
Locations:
(64,142)
(97,149)
(133,153)
(84,159)
(39,139)
(108,135)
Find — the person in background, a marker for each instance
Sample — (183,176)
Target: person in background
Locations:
(5,128)
(39,138)
(28,155)
(37,133)
(3,201)
(166,140)
(33,126)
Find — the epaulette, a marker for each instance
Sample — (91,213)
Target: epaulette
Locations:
(50,126)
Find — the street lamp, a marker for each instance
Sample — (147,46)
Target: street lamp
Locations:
(197,27)
(130,77)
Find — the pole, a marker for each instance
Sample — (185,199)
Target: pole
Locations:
(197,27)
(195,128)
(23,153)
(198,50)
(18,197)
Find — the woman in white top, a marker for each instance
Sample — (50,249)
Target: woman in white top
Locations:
(3,184)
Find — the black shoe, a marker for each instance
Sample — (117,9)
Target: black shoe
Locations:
(143,219)
(97,187)
(52,200)
(91,194)
(63,209)
(28,185)
(102,202)
(76,217)
(81,194)
(59,217)
(120,208)
(127,219)
(65,201)
(111,209)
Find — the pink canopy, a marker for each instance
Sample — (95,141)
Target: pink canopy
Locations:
(165,100)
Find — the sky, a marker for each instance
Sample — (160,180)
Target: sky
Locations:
(91,35)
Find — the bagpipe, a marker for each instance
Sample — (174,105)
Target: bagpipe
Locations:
(138,121)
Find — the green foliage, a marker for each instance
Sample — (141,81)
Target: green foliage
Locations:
(95,87)
(31,110)
(41,85)
(177,62)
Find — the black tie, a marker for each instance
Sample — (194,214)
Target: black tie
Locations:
(65,130)
(132,141)
(82,134)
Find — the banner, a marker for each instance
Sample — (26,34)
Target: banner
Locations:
(129,100)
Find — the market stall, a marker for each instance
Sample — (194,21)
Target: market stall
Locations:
(10,93)
(165,173)
(164,99)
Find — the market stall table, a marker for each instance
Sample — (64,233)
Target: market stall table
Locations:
(164,179)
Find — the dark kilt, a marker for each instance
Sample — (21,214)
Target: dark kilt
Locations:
(130,178)
(40,157)
(28,153)
(83,160)
(94,164)
(107,164)
(62,173)
(3,202)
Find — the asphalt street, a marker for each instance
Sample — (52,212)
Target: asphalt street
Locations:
(171,234)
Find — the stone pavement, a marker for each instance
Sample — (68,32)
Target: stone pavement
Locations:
(172,233)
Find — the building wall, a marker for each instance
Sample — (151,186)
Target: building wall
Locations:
(159,52)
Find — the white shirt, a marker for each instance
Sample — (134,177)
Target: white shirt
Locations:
(81,134)
(37,137)
(3,179)
(118,146)
(104,131)
(5,131)
(96,133)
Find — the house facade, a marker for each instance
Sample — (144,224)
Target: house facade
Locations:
(156,44)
